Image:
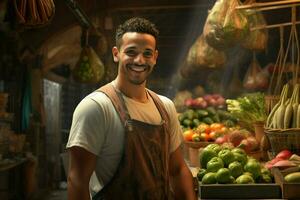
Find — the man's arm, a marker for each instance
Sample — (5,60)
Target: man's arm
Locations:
(81,166)
(181,177)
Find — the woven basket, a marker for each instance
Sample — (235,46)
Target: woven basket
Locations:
(270,101)
(281,139)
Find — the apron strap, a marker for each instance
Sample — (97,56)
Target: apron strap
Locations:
(116,97)
(160,106)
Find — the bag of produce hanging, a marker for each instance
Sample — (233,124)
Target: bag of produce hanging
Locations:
(256,77)
(225,25)
(202,55)
(256,39)
(89,68)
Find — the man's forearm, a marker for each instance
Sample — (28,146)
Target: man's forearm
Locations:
(183,186)
(77,190)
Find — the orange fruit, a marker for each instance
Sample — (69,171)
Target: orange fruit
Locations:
(188,135)
(216,126)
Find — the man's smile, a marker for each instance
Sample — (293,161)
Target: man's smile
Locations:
(136,68)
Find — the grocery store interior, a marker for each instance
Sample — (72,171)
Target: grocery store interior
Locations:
(230,67)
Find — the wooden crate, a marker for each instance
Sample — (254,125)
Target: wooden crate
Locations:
(239,191)
(289,190)
(192,151)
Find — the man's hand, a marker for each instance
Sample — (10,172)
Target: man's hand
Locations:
(181,177)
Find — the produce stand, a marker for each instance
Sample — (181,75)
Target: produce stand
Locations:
(289,190)
(240,191)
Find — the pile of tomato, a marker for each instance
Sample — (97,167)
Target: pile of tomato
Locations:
(205,132)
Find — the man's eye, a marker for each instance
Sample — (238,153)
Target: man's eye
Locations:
(130,53)
(148,54)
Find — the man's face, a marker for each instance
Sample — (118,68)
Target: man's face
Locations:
(136,56)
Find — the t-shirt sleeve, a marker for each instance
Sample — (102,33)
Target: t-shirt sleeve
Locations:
(175,129)
(87,129)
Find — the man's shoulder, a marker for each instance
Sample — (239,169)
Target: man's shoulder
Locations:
(98,96)
(165,100)
(96,99)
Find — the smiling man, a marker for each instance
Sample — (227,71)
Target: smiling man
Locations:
(125,140)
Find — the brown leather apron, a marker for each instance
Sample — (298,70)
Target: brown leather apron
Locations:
(143,172)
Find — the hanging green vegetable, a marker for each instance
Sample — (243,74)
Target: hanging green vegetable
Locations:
(89,68)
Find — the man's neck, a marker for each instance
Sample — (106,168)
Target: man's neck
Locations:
(135,92)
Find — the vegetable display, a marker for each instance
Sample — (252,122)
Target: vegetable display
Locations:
(249,109)
(230,165)
(285,114)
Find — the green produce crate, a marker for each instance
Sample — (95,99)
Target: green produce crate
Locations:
(239,191)
(289,190)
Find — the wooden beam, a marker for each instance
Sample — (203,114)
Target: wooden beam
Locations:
(266,4)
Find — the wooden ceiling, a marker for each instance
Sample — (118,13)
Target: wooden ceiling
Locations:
(179,22)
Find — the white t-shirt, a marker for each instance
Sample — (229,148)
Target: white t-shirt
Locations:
(96,127)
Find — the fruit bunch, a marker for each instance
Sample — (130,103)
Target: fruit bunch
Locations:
(84,71)
(229,166)
(89,68)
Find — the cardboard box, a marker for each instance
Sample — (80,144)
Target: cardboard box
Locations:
(289,190)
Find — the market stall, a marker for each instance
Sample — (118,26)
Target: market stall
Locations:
(248,146)
(231,68)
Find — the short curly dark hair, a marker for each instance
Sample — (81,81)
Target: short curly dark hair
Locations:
(136,24)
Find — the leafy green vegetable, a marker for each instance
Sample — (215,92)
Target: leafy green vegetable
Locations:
(249,108)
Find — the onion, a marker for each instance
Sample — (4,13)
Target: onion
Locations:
(221,101)
(253,144)
(188,102)
(245,145)
(275,160)
(270,164)
(220,140)
(212,102)
(285,154)
(283,164)
(203,104)
(235,137)
(207,97)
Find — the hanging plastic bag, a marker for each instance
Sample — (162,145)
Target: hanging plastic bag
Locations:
(225,25)
(256,39)
(255,78)
(202,55)
(89,68)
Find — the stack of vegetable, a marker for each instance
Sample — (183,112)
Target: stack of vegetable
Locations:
(205,132)
(288,163)
(214,100)
(241,138)
(284,159)
(248,109)
(192,118)
(225,165)
(285,114)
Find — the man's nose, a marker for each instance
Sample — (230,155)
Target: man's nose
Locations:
(139,59)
